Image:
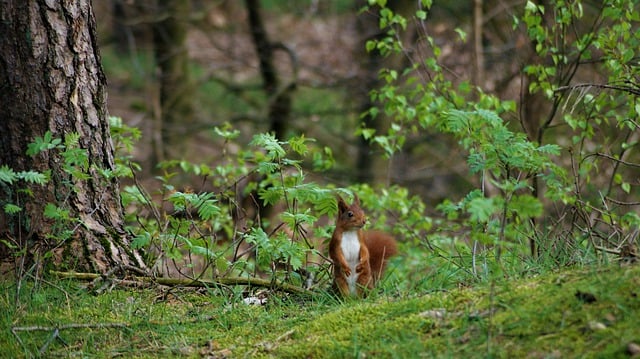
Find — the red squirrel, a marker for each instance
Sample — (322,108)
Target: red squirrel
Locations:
(359,257)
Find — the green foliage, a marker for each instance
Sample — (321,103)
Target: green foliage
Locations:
(124,138)
(8,176)
(16,184)
(208,232)
(598,113)
(276,249)
(18,188)
(45,143)
(526,189)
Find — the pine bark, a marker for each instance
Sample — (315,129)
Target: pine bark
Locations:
(51,79)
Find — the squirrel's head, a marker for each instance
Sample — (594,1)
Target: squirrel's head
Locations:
(351,216)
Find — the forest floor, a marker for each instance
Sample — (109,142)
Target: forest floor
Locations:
(580,312)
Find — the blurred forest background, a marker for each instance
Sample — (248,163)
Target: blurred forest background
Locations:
(506,124)
(177,69)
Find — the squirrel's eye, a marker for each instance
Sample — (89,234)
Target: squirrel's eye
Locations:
(350,214)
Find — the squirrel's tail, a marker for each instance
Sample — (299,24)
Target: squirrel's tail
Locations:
(381,246)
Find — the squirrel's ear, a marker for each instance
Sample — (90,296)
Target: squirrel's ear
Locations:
(356,200)
(342,205)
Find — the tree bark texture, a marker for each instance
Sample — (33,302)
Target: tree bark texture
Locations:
(51,79)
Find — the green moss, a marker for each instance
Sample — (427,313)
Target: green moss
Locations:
(535,317)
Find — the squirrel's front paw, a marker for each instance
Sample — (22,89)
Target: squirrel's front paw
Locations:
(347,271)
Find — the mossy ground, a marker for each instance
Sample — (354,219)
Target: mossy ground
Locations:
(575,313)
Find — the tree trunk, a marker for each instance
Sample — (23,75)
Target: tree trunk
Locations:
(478,48)
(367,24)
(51,79)
(176,90)
(368,27)
(279,98)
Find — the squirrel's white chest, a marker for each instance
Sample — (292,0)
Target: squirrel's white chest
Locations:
(350,246)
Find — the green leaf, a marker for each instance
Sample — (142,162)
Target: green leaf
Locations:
(270,195)
(226,132)
(370,45)
(462,34)
(7,175)
(476,162)
(526,206)
(75,158)
(142,240)
(551,149)
(626,187)
(299,144)
(10,208)
(72,140)
(44,143)
(34,177)
(367,133)
(257,236)
(326,205)
(293,220)
(481,209)
(270,143)
(203,251)
(206,205)
(51,211)
(267,167)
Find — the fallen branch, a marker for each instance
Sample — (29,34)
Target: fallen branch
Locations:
(185,282)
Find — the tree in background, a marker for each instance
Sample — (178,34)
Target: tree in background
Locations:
(371,61)
(175,88)
(279,97)
(61,202)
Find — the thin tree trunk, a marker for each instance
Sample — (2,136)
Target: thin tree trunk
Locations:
(176,90)
(367,25)
(478,49)
(279,98)
(368,28)
(51,79)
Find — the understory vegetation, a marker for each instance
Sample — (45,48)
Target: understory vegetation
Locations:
(536,259)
